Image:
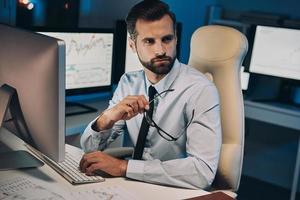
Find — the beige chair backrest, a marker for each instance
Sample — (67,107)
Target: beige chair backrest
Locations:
(219,51)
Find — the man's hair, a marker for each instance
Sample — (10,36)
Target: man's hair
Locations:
(148,10)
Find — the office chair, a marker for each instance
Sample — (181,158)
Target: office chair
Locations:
(219,52)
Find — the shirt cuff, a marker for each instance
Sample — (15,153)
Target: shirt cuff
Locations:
(90,139)
(135,169)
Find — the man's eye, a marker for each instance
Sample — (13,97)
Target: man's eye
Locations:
(149,41)
(167,39)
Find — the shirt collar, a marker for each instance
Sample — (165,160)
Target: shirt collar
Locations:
(167,81)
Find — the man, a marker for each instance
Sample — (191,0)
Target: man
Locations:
(183,134)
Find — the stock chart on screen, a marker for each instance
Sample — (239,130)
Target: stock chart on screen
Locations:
(88,58)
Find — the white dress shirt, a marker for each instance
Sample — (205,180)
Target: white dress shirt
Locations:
(192,160)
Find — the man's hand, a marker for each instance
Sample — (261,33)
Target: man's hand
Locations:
(126,109)
(129,107)
(98,160)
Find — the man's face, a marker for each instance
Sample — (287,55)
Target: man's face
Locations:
(155,44)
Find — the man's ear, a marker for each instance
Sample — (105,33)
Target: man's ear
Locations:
(132,44)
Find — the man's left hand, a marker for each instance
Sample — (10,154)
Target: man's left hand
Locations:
(97,160)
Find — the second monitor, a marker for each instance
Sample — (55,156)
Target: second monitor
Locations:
(276,53)
(89,63)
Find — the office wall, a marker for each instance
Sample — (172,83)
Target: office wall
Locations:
(192,14)
(7,12)
(103,13)
(286,7)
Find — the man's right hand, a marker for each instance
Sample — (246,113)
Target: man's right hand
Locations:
(126,109)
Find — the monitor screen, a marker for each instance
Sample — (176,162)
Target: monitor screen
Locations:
(33,67)
(276,52)
(89,56)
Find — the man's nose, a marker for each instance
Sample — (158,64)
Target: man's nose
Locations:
(159,49)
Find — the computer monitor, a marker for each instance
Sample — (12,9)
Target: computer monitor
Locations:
(89,61)
(32,89)
(276,52)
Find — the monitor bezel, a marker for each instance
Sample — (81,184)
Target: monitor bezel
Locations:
(86,90)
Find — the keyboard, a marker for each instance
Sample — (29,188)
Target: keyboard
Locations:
(69,168)
(70,171)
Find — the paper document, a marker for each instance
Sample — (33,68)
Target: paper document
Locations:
(111,192)
(21,188)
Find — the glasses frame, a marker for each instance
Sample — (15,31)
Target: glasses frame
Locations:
(160,131)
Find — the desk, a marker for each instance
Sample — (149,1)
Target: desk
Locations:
(49,177)
(281,115)
(274,113)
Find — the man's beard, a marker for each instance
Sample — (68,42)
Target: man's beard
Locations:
(160,68)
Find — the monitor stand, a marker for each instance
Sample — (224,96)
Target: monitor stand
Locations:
(75,108)
(12,116)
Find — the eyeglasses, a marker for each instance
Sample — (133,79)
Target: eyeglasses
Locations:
(160,131)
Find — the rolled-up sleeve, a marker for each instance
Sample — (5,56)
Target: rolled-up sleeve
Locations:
(198,168)
(92,140)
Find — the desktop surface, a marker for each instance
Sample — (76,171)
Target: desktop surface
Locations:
(275,106)
(48,178)
(274,113)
